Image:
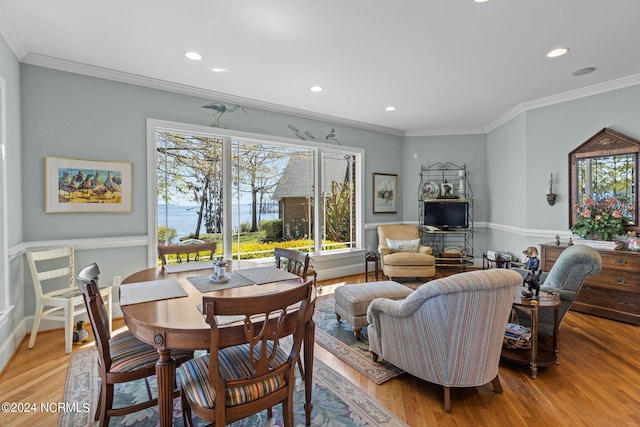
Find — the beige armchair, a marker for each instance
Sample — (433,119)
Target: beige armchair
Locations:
(405,257)
(448,331)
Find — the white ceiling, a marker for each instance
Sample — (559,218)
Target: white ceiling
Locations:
(449,66)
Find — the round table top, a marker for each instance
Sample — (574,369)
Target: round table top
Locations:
(544,299)
(179,321)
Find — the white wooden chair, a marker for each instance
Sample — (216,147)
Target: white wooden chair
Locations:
(55,267)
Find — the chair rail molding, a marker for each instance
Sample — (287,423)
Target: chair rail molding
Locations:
(80,244)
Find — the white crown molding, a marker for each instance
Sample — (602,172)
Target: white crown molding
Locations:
(7,31)
(443,132)
(118,76)
(74,67)
(572,95)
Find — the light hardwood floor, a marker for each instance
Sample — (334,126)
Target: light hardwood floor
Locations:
(597,382)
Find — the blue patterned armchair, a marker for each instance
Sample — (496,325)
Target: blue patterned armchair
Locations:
(565,278)
(448,331)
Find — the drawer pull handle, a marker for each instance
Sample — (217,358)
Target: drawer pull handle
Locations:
(621,301)
(621,261)
(621,281)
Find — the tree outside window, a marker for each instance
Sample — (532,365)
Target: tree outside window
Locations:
(274,187)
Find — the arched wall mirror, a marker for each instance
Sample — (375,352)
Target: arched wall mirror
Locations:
(606,167)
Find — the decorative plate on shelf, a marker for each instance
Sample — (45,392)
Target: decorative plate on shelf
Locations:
(430,190)
(453,250)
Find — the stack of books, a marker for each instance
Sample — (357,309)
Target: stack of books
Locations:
(517,337)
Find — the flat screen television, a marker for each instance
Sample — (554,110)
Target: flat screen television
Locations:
(446,215)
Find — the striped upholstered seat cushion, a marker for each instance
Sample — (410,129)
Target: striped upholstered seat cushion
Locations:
(129,353)
(234,363)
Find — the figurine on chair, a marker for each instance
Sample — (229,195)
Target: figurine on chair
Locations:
(531,261)
(532,282)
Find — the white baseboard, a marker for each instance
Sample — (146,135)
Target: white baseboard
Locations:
(10,345)
(347,270)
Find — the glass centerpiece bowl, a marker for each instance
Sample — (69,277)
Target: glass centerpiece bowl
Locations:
(600,220)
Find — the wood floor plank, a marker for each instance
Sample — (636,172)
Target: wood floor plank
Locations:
(597,382)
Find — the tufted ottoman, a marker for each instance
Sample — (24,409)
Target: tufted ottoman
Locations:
(352,301)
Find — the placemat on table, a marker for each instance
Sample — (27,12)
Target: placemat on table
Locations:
(227,320)
(155,290)
(224,320)
(205,284)
(188,266)
(262,275)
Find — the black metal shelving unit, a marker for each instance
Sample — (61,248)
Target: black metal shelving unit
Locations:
(446,183)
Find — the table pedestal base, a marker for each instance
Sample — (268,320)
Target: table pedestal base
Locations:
(165,375)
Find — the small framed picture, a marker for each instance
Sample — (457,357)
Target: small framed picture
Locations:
(74,185)
(446,190)
(385,193)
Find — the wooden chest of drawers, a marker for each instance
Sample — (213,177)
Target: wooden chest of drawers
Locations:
(613,293)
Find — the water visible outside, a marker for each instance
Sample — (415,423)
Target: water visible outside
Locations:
(185,218)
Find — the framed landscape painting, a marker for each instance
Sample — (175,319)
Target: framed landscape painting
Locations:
(385,193)
(75,185)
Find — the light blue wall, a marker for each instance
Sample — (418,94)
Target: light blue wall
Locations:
(522,153)
(89,118)
(469,150)
(507,165)
(554,131)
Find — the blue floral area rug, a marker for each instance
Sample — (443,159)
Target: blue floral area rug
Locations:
(339,340)
(336,401)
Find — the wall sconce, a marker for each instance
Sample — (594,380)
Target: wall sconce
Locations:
(551,197)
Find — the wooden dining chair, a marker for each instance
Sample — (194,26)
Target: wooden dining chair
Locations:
(57,296)
(186,253)
(295,262)
(88,273)
(231,383)
(122,357)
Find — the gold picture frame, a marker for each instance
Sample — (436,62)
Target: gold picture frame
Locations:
(86,186)
(385,193)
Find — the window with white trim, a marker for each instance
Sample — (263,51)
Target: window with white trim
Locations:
(250,193)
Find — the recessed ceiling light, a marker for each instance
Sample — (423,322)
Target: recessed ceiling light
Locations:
(193,55)
(583,71)
(219,70)
(557,52)
(316,88)
(390,108)
(481,1)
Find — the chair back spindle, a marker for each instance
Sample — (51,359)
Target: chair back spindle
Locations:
(294,262)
